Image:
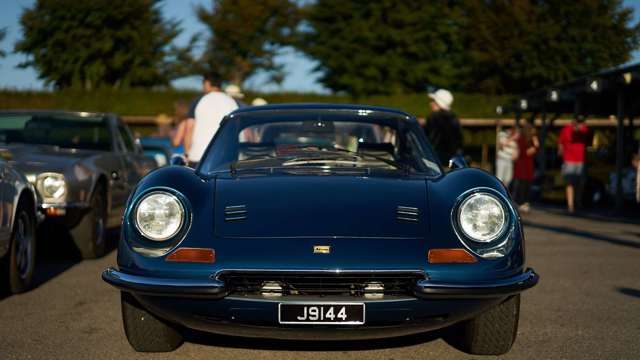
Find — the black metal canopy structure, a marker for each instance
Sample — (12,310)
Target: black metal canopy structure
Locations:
(610,92)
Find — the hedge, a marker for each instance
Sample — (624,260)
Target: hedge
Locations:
(152,102)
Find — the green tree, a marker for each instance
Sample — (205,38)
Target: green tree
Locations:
(90,44)
(245,36)
(388,46)
(517,46)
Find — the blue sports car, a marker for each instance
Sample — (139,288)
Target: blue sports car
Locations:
(321,222)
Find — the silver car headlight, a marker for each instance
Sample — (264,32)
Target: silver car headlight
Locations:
(52,187)
(159,216)
(482,221)
(482,217)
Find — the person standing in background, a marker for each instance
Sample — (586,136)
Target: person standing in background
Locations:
(572,144)
(506,153)
(209,112)
(180,141)
(207,87)
(524,167)
(443,127)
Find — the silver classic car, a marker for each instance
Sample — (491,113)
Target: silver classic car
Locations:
(83,166)
(17,228)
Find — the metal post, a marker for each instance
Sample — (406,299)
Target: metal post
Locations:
(620,150)
(542,154)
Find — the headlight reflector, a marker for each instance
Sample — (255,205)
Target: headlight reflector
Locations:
(159,216)
(482,217)
(52,187)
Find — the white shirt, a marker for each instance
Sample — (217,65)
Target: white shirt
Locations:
(210,111)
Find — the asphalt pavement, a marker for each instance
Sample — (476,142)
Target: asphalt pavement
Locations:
(587,306)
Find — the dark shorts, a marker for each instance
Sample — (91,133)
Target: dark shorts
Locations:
(573,172)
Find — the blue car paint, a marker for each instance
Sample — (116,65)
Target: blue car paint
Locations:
(355,215)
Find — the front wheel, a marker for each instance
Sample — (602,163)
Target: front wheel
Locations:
(20,261)
(90,235)
(490,333)
(146,332)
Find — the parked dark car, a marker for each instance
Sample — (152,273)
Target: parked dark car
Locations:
(83,166)
(18,222)
(321,222)
(157,148)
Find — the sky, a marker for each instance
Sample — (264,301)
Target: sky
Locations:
(298,67)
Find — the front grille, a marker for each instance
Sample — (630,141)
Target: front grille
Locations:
(320,283)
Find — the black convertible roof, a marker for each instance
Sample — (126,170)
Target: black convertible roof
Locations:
(321,107)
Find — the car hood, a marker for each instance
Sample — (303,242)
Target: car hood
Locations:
(33,159)
(320,206)
(288,216)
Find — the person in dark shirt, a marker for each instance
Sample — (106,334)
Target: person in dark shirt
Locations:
(443,127)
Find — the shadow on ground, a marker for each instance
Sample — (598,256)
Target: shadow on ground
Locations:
(583,234)
(629,291)
(204,338)
(55,253)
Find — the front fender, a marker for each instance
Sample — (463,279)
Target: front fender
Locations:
(444,193)
(197,191)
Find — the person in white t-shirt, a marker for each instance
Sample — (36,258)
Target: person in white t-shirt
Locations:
(209,112)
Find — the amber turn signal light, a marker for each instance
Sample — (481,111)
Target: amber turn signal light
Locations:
(193,255)
(450,256)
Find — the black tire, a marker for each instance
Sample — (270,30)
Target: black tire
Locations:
(19,263)
(146,332)
(90,234)
(490,333)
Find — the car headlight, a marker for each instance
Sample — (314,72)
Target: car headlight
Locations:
(52,186)
(482,217)
(159,216)
(482,221)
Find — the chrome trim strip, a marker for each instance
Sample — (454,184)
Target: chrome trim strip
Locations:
(416,272)
(235,218)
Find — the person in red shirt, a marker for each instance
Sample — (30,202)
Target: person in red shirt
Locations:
(523,169)
(572,144)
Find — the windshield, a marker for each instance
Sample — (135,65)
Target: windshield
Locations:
(66,131)
(326,141)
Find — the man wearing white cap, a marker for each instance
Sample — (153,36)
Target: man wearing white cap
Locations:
(443,127)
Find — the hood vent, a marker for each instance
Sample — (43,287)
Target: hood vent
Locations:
(405,213)
(235,213)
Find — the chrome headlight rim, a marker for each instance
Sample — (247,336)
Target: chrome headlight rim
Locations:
(137,239)
(498,245)
(51,198)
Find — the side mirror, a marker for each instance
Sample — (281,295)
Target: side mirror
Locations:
(457,162)
(178,159)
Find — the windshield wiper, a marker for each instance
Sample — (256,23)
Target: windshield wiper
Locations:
(401,166)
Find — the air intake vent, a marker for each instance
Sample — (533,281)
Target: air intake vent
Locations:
(405,213)
(235,213)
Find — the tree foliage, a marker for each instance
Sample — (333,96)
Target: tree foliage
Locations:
(516,46)
(498,46)
(387,46)
(90,44)
(245,36)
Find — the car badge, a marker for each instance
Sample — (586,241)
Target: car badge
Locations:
(322,249)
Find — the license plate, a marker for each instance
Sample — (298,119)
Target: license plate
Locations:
(321,313)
